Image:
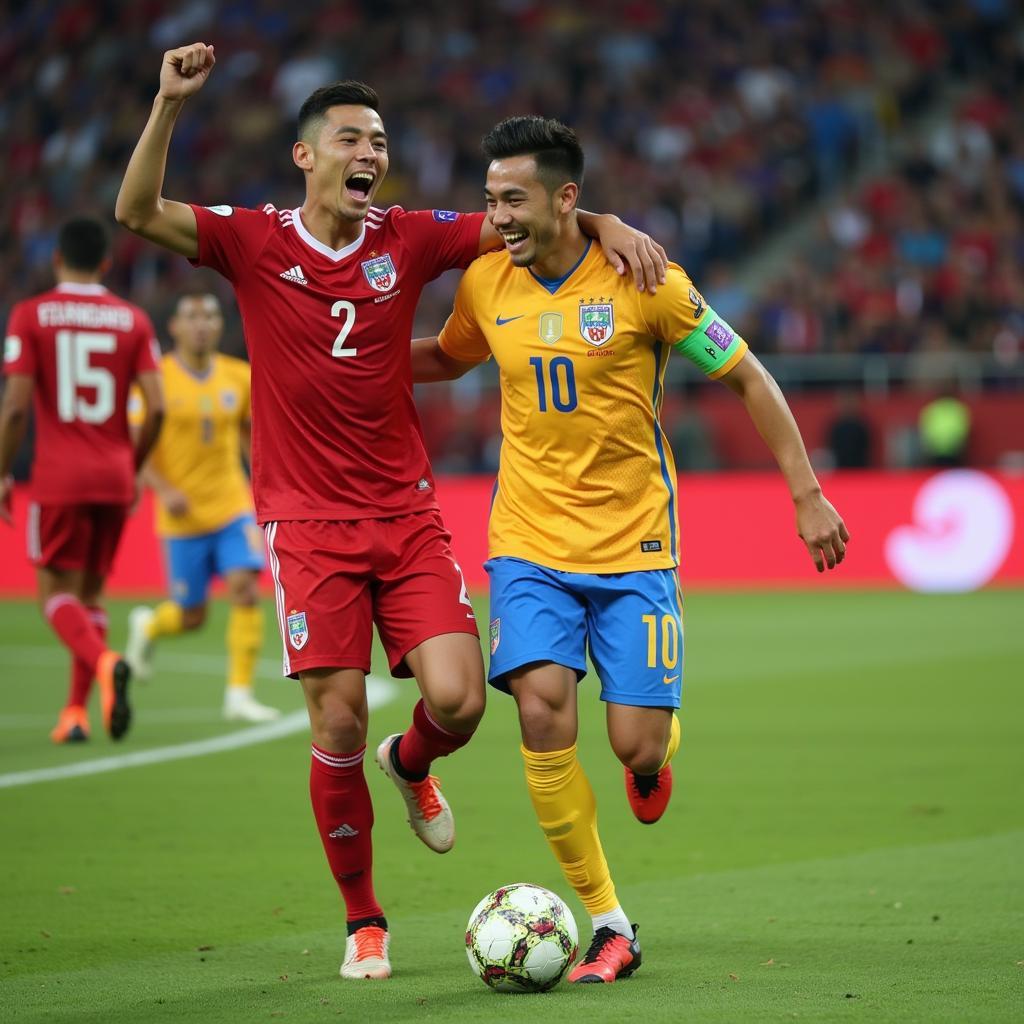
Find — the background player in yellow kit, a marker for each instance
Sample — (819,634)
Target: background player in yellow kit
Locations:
(204,507)
(583,534)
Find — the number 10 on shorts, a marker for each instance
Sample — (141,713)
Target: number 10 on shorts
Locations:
(669,634)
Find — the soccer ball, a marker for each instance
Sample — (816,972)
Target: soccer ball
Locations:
(521,938)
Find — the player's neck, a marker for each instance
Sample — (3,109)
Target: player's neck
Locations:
(197,362)
(327,227)
(563,256)
(77,277)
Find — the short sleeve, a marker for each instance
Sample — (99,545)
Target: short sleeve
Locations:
(19,352)
(677,314)
(230,237)
(461,337)
(443,239)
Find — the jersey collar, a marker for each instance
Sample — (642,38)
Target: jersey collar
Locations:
(552,284)
(332,254)
(76,288)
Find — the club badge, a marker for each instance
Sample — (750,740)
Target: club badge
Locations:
(597,322)
(380,273)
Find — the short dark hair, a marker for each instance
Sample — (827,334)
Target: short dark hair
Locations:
(83,243)
(338,94)
(553,146)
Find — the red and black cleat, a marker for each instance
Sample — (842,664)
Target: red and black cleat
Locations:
(611,956)
(649,794)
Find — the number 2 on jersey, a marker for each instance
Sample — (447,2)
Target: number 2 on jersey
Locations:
(75,371)
(346,308)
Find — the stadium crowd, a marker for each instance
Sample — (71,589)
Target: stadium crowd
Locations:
(710,125)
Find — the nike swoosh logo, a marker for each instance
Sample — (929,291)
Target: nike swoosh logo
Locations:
(501,321)
(668,680)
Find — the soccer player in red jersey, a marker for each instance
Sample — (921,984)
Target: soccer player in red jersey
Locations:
(77,349)
(341,480)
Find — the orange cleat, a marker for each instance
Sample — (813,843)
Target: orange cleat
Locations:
(611,956)
(366,951)
(649,795)
(113,675)
(72,726)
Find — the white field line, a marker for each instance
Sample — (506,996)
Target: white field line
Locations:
(379,691)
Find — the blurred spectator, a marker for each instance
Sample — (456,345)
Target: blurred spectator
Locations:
(849,434)
(944,429)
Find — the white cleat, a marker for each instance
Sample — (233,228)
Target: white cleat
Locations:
(429,814)
(138,651)
(241,706)
(366,954)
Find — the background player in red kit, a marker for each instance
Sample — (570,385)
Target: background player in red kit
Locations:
(77,349)
(341,479)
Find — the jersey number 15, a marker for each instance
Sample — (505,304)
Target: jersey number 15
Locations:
(75,371)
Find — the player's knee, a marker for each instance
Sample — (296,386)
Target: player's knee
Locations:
(459,708)
(337,725)
(641,754)
(541,725)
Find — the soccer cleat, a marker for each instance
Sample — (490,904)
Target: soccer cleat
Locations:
(429,814)
(72,726)
(649,794)
(113,675)
(241,706)
(366,950)
(611,956)
(139,650)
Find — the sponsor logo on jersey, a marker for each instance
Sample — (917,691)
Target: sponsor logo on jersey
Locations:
(221,211)
(720,334)
(445,216)
(423,484)
(294,274)
(298,634)
(646,546)
(502,320)
(380,273)
(495,634)
(229,400)
(698,304)
(550,327)
(597,322)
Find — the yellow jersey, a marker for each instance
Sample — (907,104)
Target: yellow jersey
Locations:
(586,480)
(199,447)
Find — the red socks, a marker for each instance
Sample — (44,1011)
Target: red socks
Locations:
(344,818)
(81,672)
(70,620)
(425,741)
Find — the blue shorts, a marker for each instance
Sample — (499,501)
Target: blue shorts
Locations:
(193,561)
(631,621)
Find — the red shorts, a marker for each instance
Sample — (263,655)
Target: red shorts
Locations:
(75,536)
(334,580)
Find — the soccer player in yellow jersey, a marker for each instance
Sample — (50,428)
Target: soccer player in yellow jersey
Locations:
(583,535)
(204,507)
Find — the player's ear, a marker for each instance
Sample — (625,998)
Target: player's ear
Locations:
(302,155)
(568,195)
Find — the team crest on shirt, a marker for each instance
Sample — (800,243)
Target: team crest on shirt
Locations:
(597,322)
(298,634)
(380,272)
(229,400)
(495,634)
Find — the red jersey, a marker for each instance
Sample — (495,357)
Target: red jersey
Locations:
(83,346)
(335,430)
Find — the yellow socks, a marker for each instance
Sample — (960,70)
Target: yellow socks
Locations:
(167,620)
(567,814)
(673,742)
(244,642)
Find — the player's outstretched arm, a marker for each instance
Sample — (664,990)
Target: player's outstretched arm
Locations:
(819,525)
(140,206)
(431,363)
(13,421)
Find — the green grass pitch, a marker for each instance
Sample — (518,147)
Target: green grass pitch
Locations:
(845,843)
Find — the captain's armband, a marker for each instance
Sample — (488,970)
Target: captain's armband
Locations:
(713,345)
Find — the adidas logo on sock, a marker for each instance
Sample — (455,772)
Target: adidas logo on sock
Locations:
(344,832)
(294,274)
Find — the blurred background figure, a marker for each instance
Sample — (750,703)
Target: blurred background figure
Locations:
(849,434)
(944,429)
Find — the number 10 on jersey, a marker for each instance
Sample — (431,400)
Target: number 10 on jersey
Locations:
(562,378)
